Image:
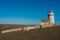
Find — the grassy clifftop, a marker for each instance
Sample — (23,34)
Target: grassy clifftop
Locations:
(52,33)
(12,26)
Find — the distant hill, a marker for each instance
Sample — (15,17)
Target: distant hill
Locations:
(52,33)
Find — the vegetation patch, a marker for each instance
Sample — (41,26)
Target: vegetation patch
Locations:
(52,33)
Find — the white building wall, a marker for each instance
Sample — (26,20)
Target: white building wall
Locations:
(52,19)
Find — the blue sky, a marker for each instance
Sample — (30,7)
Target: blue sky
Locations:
(27,11)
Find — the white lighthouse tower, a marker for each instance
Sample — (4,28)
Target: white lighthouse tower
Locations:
(48,22)
(51,17)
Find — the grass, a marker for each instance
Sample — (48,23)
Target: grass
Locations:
(12,26)
(52,33)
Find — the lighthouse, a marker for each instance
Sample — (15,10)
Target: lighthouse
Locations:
(51,17)
(48,22)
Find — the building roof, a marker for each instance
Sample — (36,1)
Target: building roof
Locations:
(51,11)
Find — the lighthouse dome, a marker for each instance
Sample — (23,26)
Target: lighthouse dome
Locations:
(51,13)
